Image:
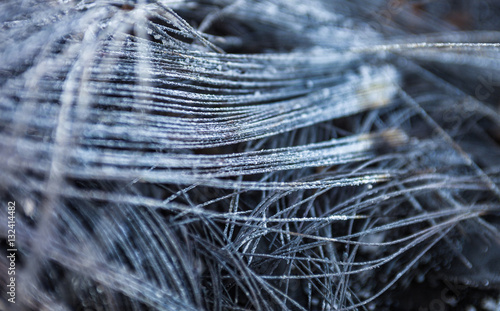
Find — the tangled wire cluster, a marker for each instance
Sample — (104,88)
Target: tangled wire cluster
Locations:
(250,154)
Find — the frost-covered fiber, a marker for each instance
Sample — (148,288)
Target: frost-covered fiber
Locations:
(250,154)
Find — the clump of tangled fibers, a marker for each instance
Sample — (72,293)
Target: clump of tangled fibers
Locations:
(250,155)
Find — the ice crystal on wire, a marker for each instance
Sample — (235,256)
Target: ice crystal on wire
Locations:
(250,155)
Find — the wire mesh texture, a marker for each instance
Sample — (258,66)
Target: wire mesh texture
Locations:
(251,154)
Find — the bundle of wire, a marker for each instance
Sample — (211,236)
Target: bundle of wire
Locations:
(251,154)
